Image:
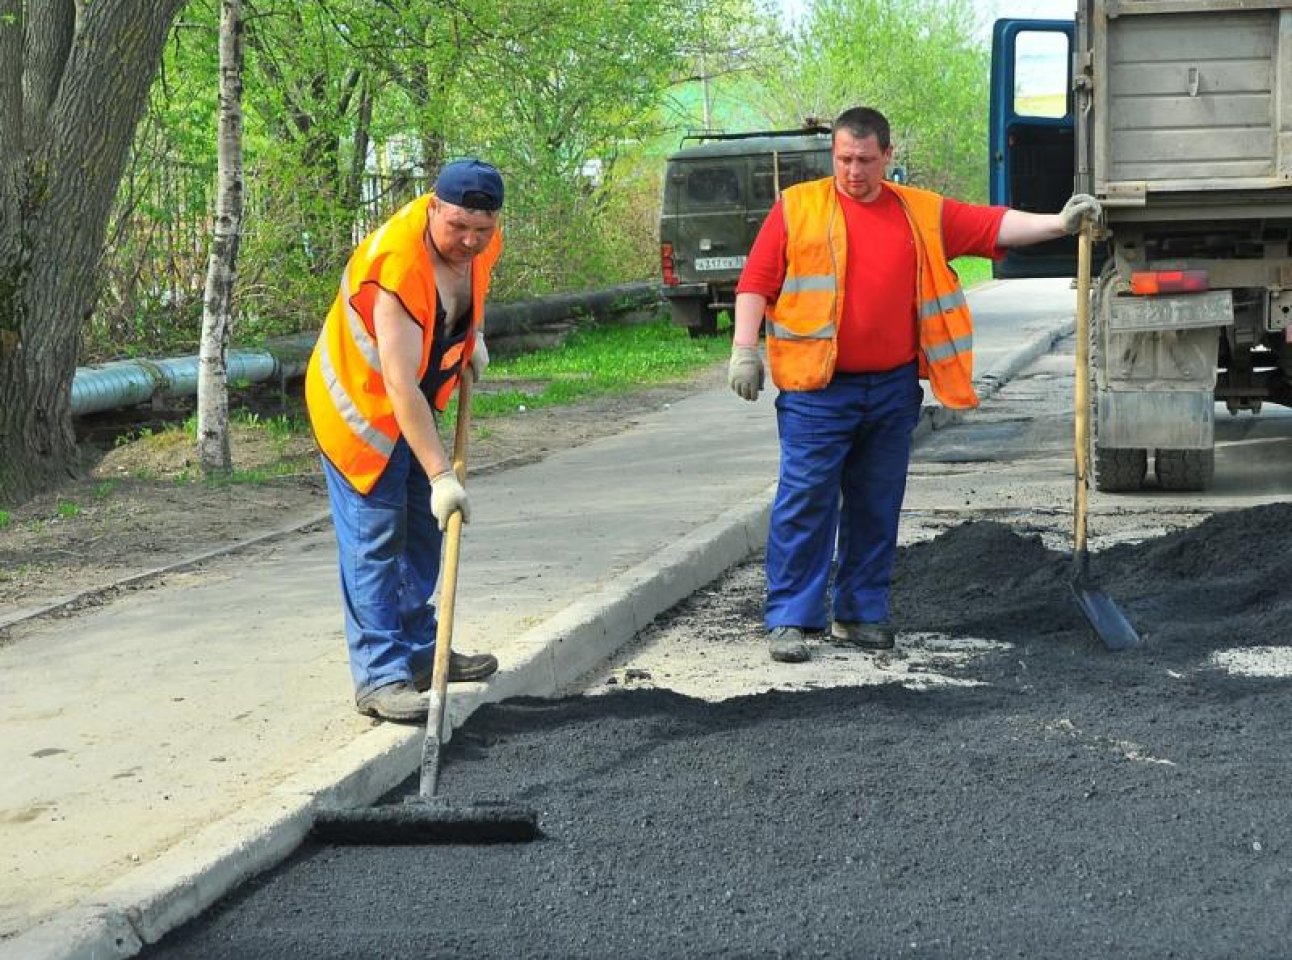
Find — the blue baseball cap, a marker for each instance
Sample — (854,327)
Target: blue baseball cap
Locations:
(470,183)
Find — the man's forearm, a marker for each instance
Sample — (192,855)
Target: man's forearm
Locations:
(417,424)
(1019,228)
(749,317)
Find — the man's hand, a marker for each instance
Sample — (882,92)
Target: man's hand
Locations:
(447,497)
(745,372)
(1081,207)
(479,358)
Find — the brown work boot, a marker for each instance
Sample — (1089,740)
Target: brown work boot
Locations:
(462,667)
(397,702)
(867,636)
(787,645)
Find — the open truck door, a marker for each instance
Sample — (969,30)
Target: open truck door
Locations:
(1032,131)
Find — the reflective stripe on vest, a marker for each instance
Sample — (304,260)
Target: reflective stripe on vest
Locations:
(774,329)
(814,284)
(363,342)
(942,303)
(345,407)
(944,351)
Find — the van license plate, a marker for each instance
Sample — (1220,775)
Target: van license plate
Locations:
(719,263)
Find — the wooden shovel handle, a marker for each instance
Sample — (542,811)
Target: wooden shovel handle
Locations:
(1081,393)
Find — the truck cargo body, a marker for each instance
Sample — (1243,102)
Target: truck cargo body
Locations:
(1177,115)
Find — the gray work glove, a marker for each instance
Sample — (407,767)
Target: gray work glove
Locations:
(447,497)
(1082,206)
(745,372)
(479,359)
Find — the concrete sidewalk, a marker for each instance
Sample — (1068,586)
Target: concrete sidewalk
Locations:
(165,746)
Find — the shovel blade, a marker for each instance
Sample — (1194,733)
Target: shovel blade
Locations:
(1105,618)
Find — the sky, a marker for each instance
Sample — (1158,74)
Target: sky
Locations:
(990,10)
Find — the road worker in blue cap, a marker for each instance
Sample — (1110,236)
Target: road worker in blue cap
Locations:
(406,322)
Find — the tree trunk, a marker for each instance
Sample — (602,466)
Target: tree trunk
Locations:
(213,451)
(82,76)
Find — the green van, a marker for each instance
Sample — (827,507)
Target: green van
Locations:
(717,192)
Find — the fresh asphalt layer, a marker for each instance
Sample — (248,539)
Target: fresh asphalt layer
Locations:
(700,474)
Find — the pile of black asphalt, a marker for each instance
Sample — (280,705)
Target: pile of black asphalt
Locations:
(1061,801)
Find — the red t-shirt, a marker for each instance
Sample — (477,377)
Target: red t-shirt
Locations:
(878,327)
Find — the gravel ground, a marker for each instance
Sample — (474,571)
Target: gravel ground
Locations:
(1052,800)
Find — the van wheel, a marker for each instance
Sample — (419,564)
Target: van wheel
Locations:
(708,325)
(1185,469)
(696,315)
(687,313)
(1120,469)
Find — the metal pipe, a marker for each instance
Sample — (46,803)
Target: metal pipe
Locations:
(125,383)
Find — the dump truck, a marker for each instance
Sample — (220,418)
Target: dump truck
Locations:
(718,188)
(1177,116)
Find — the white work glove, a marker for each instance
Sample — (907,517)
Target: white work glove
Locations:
(1082,206)
(479,358)
(447,497)
(745,372)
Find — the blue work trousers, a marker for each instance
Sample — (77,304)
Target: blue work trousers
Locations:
(388,548)
(845,450)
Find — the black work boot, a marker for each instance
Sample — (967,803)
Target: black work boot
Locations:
(787,645)
(867,636)
(397,702)
(462,667)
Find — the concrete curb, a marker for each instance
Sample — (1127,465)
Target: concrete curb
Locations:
(545,661)
(936,417)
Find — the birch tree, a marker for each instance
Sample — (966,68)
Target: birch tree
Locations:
(74,78)
(213,451)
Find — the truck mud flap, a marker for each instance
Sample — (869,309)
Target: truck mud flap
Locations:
(1176,420)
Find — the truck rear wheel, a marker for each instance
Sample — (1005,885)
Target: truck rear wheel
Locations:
(1120,469)
(1185,469)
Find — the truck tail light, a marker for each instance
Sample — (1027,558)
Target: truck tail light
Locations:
(666,264)
(1148,283)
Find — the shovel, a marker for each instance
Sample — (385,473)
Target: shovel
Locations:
(1108,622)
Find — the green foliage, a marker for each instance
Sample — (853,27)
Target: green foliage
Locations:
(67,510)
(154,264)
(280,428)
(351,107)
(6,518)
(254,477)
(143,433)
(914,60)
(972,270)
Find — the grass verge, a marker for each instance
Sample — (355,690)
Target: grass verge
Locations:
(594,361)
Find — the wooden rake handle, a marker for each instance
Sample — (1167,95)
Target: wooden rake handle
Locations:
(449,567)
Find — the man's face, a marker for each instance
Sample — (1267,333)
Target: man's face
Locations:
(859,164)
(458,233)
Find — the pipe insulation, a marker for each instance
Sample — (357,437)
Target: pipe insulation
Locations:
(125,383)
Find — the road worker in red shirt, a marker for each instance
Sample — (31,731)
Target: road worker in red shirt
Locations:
(850,275)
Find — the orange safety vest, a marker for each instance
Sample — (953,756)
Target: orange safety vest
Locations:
(352,416)
(803,324)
